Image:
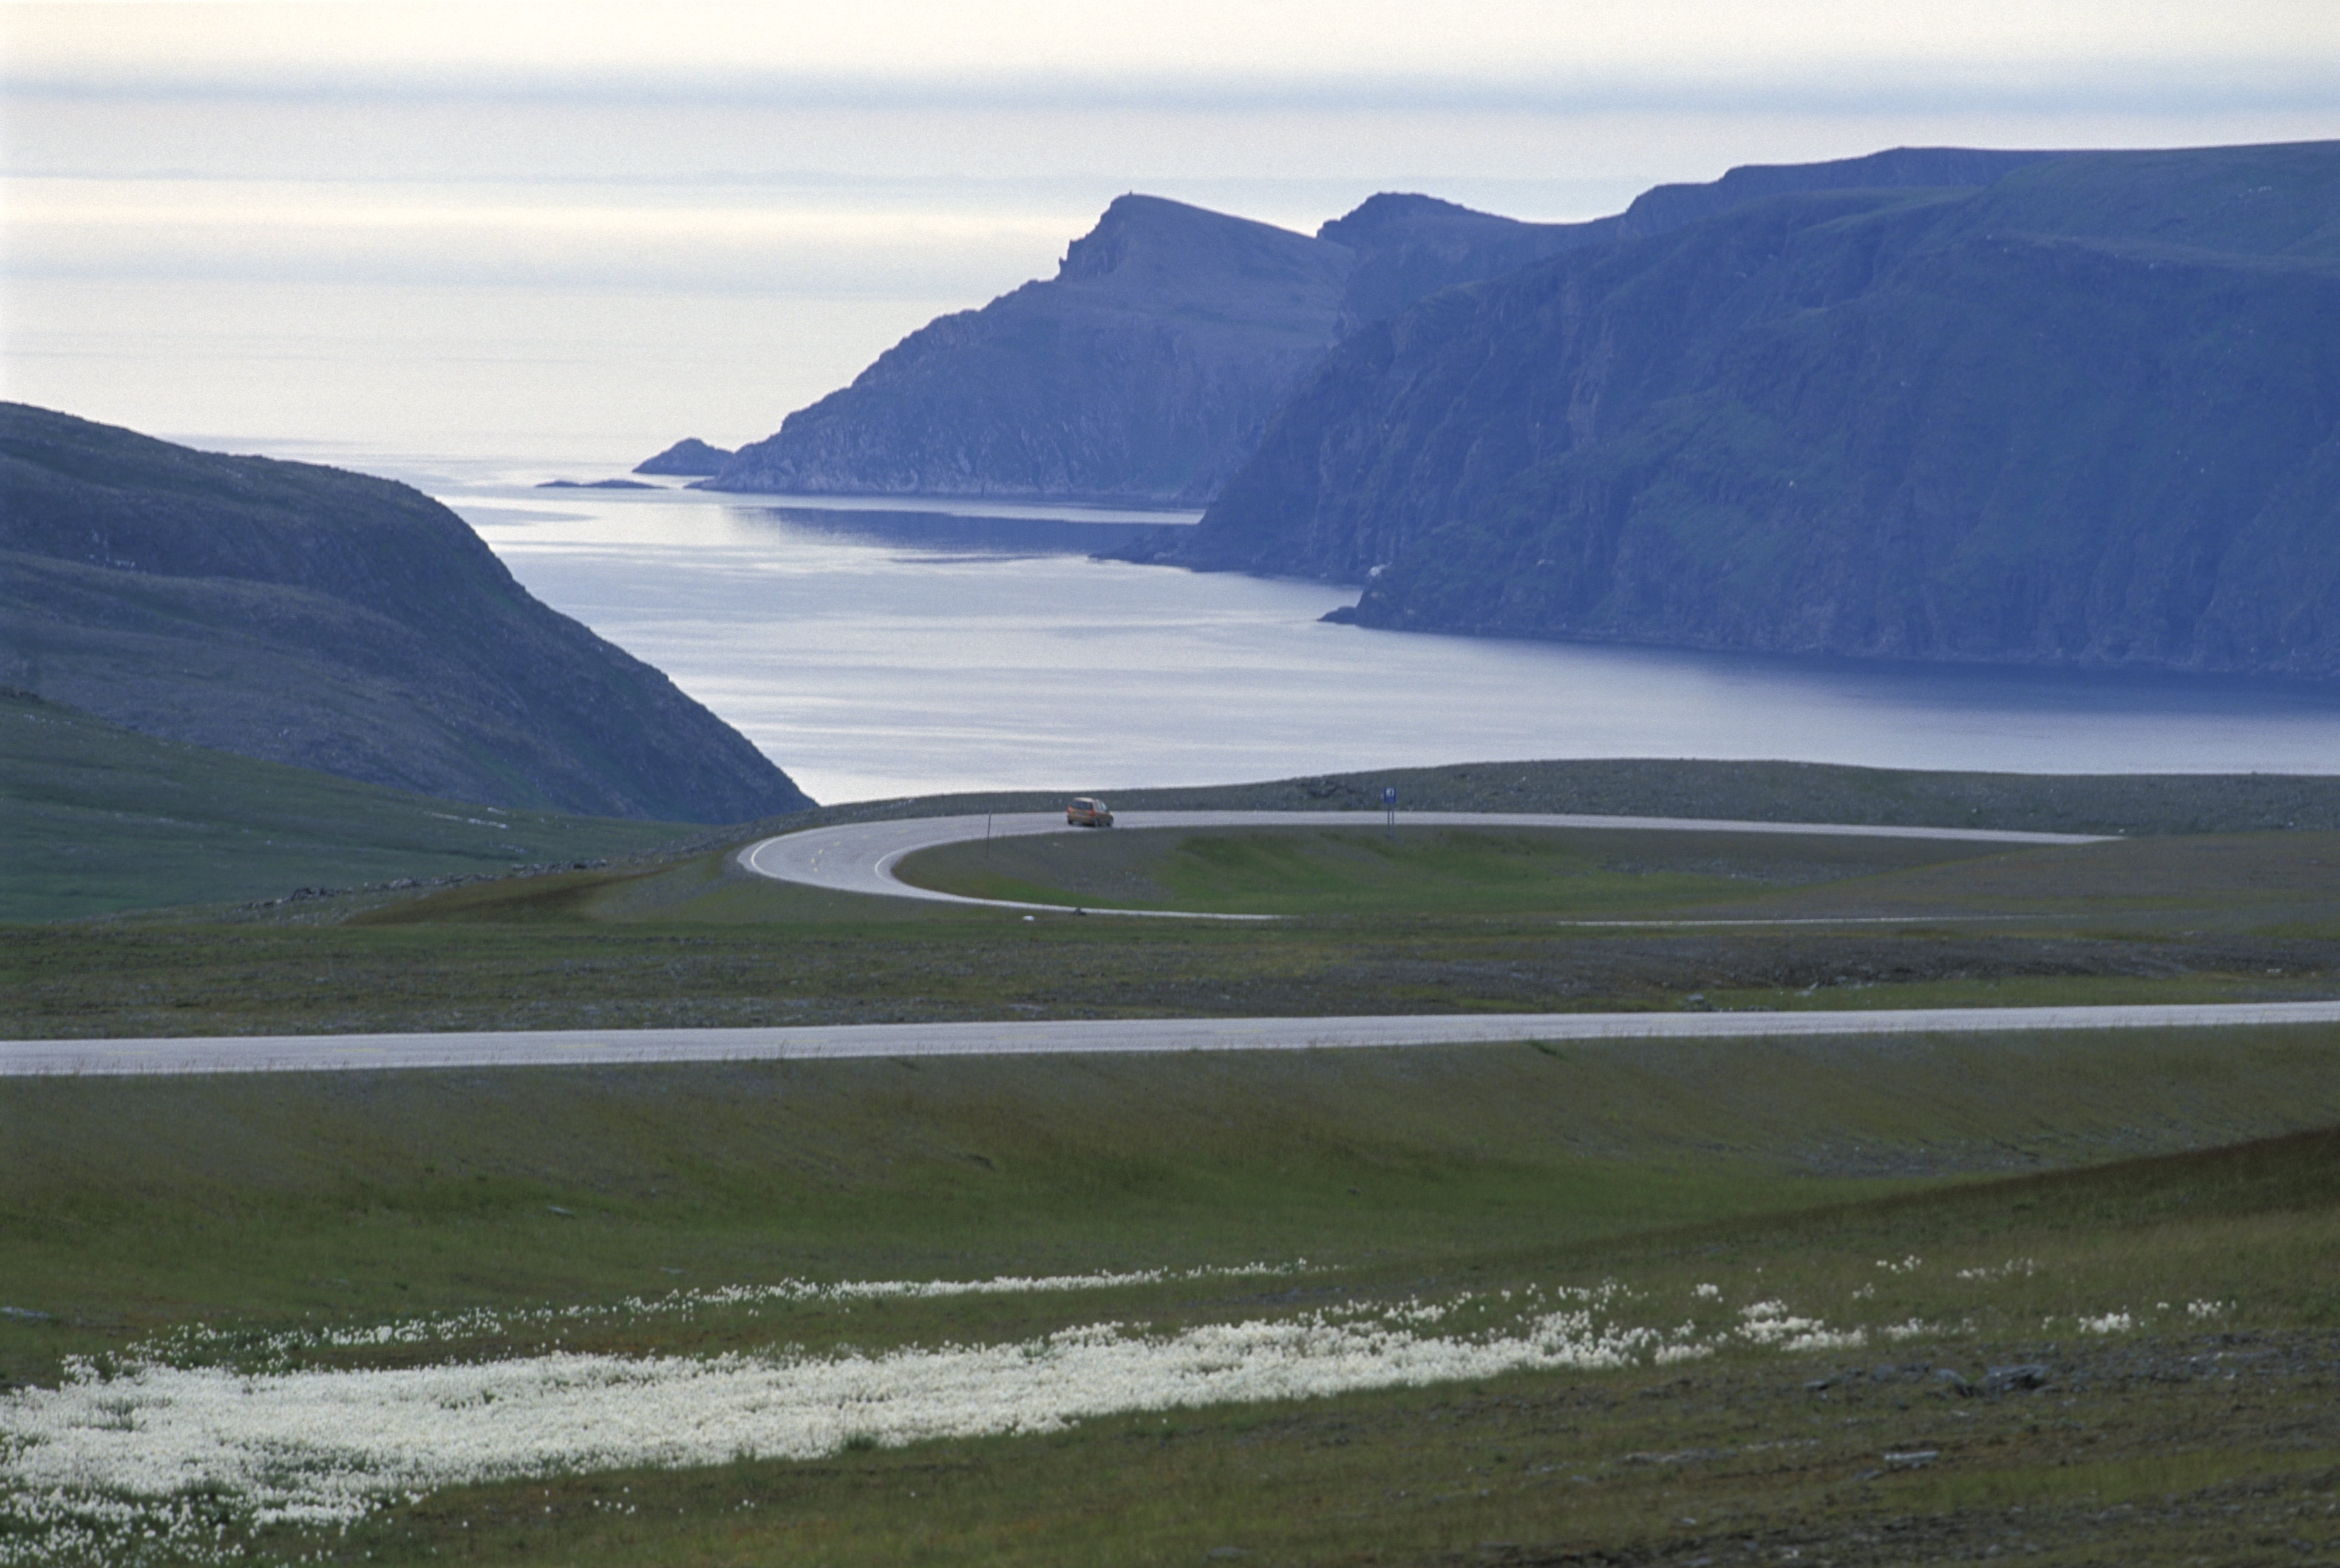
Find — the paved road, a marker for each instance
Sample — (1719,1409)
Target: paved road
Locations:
(861,857)
(585,1047)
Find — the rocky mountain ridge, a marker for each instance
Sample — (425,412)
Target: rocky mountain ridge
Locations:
(1143,372)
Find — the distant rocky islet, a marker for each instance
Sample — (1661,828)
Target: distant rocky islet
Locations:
(690,458)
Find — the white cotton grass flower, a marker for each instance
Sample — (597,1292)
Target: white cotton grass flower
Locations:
(2199,1310)
(1769,1323)
(197,1455)
(323,1447)
(2109,1323)
(195,1343)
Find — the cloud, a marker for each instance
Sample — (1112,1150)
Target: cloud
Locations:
(942,41)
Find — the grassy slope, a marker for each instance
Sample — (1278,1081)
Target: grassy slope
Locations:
(2181,887)
(1416,871)
(328,619)
(696,942)
(101,819)
(2191,1447)
(355,1198)
(131,1204)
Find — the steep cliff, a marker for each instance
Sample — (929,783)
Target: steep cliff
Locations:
(1144,371)
(1411,246)
(304,615)
(2088,413)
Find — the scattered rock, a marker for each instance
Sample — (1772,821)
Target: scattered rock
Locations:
(2015,1379)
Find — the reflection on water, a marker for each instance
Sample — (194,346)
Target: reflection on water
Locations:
(874,650)
(946,534)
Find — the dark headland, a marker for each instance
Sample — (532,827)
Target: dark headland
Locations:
(300,614)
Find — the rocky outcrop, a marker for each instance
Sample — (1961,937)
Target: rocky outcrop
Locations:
(690,458)
(2088,413)
(305,615)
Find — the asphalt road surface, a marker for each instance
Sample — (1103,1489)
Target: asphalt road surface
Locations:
(860,857)
(595,1047)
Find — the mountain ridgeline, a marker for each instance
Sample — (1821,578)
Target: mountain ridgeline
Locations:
(1144,371)
(301,614)
(2073,410)
(1147,370)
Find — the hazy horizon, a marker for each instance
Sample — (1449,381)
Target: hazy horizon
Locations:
(578,233)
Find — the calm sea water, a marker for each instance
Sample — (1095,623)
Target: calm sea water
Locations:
(873,651)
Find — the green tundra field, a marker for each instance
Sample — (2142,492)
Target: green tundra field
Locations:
(2067,1296)
(2144,1221)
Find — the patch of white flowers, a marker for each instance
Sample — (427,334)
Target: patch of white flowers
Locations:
(1770,1323)
(187,1457)
(197,1342)
(186,1452)
(1913,1328)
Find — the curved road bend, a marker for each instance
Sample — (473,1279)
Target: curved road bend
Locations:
(860,857)
(604,1047)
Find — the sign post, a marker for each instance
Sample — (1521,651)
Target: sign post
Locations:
(1389,808)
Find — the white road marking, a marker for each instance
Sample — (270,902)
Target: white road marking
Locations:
(601,1047)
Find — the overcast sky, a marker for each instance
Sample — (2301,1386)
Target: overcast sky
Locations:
(876,162)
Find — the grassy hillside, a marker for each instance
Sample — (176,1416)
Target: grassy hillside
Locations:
(302,614)
(1415,871)
(101,819)
(1855,1183)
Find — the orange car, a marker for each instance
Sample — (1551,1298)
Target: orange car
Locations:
(1088,813)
